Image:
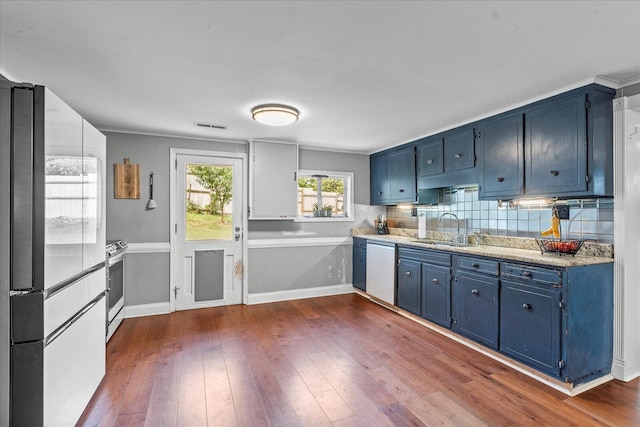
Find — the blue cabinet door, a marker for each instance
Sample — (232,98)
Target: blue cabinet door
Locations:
(359,267)
(501,150)
(430,157)
(436,294)
(402,175)
(409,285)
(379,179)
(476,307)
(459,150)
(556,147)
(531,325)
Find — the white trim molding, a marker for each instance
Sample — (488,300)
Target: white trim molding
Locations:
(146,309)
(626,154)
(321,291)
(147,248)
(300,242)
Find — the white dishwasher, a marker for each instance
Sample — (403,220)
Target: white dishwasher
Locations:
(381,271)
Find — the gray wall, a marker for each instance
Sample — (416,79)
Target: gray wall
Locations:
(127,219)
(147,278)
(326,161)
(284,269)
(269,269)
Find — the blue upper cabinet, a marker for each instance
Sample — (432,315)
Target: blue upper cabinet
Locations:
(402,175)
(569,144)
(430,157)
(447,159)
(562,148)
(556,147)
(393,177)
(379,179)
(559,147)
(459,150)
(500,156)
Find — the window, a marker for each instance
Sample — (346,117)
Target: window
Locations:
(325,196)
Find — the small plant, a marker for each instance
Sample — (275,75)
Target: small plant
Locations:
(322,210)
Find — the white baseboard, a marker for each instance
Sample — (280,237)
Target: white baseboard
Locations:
(146,309)
(322,291)
(621,372)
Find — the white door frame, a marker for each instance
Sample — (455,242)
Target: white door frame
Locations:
(173,197)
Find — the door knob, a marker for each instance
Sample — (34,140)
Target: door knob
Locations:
(237,236)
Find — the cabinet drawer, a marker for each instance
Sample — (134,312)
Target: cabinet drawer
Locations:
(480,265)
(359,243)
(530,274)
(422,255)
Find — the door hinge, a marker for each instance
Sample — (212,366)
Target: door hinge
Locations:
(561,305)
(176,165)
(587,105)
(175,228)
(560,364)
(587,179)
(175,292)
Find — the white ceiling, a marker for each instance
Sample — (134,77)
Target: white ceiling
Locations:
(365,75)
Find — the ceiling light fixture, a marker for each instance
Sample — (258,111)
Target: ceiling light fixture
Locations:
(275,114)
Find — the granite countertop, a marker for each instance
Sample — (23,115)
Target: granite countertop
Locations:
(507,253)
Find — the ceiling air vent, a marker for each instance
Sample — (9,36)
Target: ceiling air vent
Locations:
(210,125)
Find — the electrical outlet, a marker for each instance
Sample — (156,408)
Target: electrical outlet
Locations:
(563,211)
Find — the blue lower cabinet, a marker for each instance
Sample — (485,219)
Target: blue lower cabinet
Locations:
(476,307)
(360,268)
(436,294)
(409,286)
(531,325)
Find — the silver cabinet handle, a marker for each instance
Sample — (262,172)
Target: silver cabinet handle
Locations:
(430,161)
(475,292)
(554,173)
(435,280)
(475,265)
(408,274)
(526,306)
(526,274)
(457,155)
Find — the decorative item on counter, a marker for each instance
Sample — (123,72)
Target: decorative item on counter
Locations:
(555,224)
(553,246)
(151,204)
(560,247)
(127,180)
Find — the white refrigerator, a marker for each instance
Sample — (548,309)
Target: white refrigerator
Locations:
(52,258)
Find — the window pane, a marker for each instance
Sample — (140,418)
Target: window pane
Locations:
(327,202)
(208,202)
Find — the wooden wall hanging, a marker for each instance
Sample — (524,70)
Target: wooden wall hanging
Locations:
(127,180)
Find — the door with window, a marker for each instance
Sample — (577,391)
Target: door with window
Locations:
(208,231)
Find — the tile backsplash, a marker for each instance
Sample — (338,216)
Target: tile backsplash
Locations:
(589,219)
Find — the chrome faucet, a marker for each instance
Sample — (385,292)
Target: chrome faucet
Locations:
(462,239)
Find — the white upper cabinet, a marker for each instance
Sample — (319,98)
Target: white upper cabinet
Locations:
(273,185)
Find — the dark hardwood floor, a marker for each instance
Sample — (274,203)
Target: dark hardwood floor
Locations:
(332,361)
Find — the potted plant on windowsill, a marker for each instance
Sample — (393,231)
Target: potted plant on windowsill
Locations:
(325,210)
